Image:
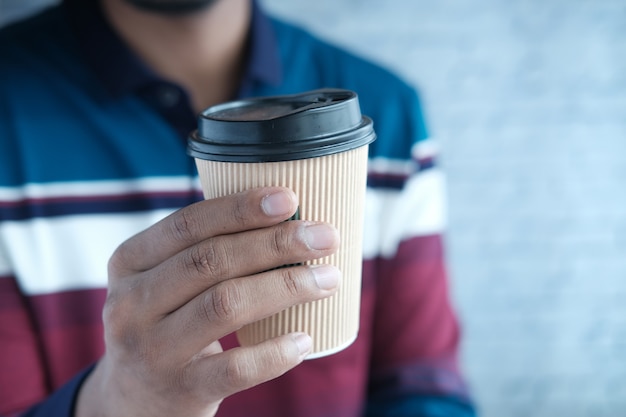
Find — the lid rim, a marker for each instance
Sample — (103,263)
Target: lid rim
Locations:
(223,153)
(281,128)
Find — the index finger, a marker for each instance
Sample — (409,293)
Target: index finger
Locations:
(247,210)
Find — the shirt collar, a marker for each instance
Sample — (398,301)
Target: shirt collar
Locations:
(264,63)
(123,72)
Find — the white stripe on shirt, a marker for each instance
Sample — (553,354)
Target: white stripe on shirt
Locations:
(51,254)
(418,209)
(98,188)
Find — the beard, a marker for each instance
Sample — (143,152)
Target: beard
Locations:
(171,7)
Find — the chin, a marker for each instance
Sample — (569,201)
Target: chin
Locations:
(171,7)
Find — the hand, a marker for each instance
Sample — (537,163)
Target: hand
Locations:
(194,277)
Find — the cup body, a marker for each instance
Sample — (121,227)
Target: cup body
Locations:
(330,189)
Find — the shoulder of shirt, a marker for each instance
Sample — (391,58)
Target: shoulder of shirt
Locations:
(33,30)
(297,43)
(31,46)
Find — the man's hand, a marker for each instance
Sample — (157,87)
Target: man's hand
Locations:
(196,276)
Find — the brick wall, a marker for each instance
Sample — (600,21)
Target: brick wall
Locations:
(528,99)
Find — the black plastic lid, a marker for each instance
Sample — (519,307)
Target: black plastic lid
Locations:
(281,128)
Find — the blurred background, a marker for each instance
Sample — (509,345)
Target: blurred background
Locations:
(528,100)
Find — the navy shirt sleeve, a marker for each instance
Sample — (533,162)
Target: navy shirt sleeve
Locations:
(61,403)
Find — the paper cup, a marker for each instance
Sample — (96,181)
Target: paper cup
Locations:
(316,144)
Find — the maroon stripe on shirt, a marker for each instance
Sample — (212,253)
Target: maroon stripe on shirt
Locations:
(10,296)
(58,333)
(22,379)
(35,364)
(76,205)
(70,350)
(96,198)
(68,308)
(405,315)
(414,319)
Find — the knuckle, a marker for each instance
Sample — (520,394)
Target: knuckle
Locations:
(280,241)
(238,372)
(120,260)
(115,313)
(208,259)
(240,210)
(112,315)
(292,281)
(220,303)
(121,328)
(184,225)
(284,356)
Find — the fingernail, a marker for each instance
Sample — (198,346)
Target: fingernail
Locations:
(304,342)
(320,236)
(326,276)
(277,204)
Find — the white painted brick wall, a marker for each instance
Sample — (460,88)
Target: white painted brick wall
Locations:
(529,100)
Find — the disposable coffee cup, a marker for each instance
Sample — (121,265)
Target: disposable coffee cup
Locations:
(315,143)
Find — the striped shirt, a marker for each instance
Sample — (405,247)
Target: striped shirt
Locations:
(93,151)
